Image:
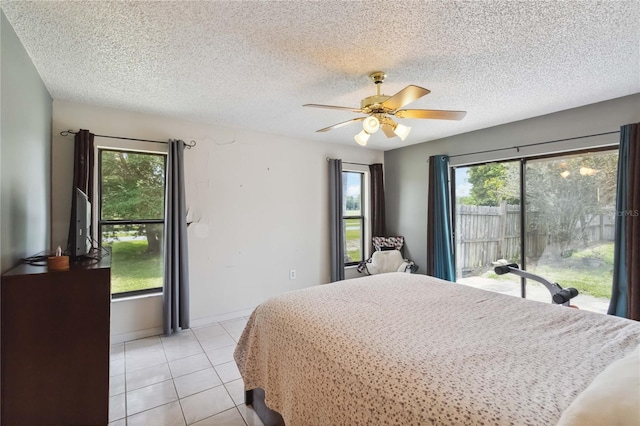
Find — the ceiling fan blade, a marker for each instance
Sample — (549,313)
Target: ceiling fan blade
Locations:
(431,113)
(344,123)
(405,96)
(333,107)
(388,130)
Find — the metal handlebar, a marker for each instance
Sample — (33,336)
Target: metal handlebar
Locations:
(559,295)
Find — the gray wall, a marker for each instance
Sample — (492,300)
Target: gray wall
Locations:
(406,169)
(25,154)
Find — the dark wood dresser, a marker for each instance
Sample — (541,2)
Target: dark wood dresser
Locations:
(55,345)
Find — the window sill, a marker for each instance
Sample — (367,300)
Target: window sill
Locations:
(139,296)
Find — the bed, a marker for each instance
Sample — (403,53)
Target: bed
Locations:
(411,349)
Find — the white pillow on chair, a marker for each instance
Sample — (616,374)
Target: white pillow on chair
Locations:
(386,261)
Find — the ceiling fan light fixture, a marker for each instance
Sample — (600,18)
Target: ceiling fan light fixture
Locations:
(371,124)
(362,138)
(402,131)
(379,107)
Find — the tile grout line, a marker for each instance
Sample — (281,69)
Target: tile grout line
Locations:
(173,381)
(234,403)
(205,353)
(214,368)
(126,417)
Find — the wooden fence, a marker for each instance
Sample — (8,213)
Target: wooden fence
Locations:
(485,234)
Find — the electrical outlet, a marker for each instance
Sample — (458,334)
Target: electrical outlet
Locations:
(292,274)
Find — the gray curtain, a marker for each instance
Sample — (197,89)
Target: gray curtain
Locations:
(377,201)
(176,258)
(83,167)
(625,295)
(633,224)
(335,220)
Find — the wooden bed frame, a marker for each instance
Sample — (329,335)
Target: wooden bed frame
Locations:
(255,398)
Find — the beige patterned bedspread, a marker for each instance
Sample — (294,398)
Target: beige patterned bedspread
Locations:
(406,349)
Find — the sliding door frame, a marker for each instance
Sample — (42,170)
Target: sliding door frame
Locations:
(523,174)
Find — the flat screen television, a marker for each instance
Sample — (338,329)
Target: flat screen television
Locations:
(81,242)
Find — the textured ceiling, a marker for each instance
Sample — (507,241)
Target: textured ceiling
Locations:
(253,64)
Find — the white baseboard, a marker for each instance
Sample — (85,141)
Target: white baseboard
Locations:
(221,318)
(134,335)
(156,331)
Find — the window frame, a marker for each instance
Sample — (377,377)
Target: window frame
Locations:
(523,194)
(100,222)
(364,212)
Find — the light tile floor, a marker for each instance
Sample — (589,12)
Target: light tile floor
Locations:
(189,378)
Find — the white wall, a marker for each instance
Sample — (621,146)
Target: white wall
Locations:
(259,203)
(406,169)
(25,151)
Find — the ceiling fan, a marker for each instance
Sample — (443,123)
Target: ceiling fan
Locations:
(380,108)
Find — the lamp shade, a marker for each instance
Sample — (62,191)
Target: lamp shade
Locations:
(402,131)
(362,138)
(371,124)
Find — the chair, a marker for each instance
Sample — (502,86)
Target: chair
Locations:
(387,257)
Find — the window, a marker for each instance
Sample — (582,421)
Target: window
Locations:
(131,219)
(553,216)
(353,219)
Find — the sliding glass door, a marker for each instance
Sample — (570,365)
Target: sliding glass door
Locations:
(570,206)
(564,235)
(487,223)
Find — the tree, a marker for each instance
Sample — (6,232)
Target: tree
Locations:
(353,203)
(133,189)
(565,195)
(492,184)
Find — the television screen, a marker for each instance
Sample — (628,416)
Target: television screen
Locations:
(81,245)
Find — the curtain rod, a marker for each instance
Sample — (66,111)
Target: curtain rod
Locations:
(349,162)
(186,145)
(517,148)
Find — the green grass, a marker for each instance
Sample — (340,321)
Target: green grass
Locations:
(602,251)
(132,268)
(353,240)
(589,270)
(503,277)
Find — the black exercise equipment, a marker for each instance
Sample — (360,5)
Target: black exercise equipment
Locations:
(559,295)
